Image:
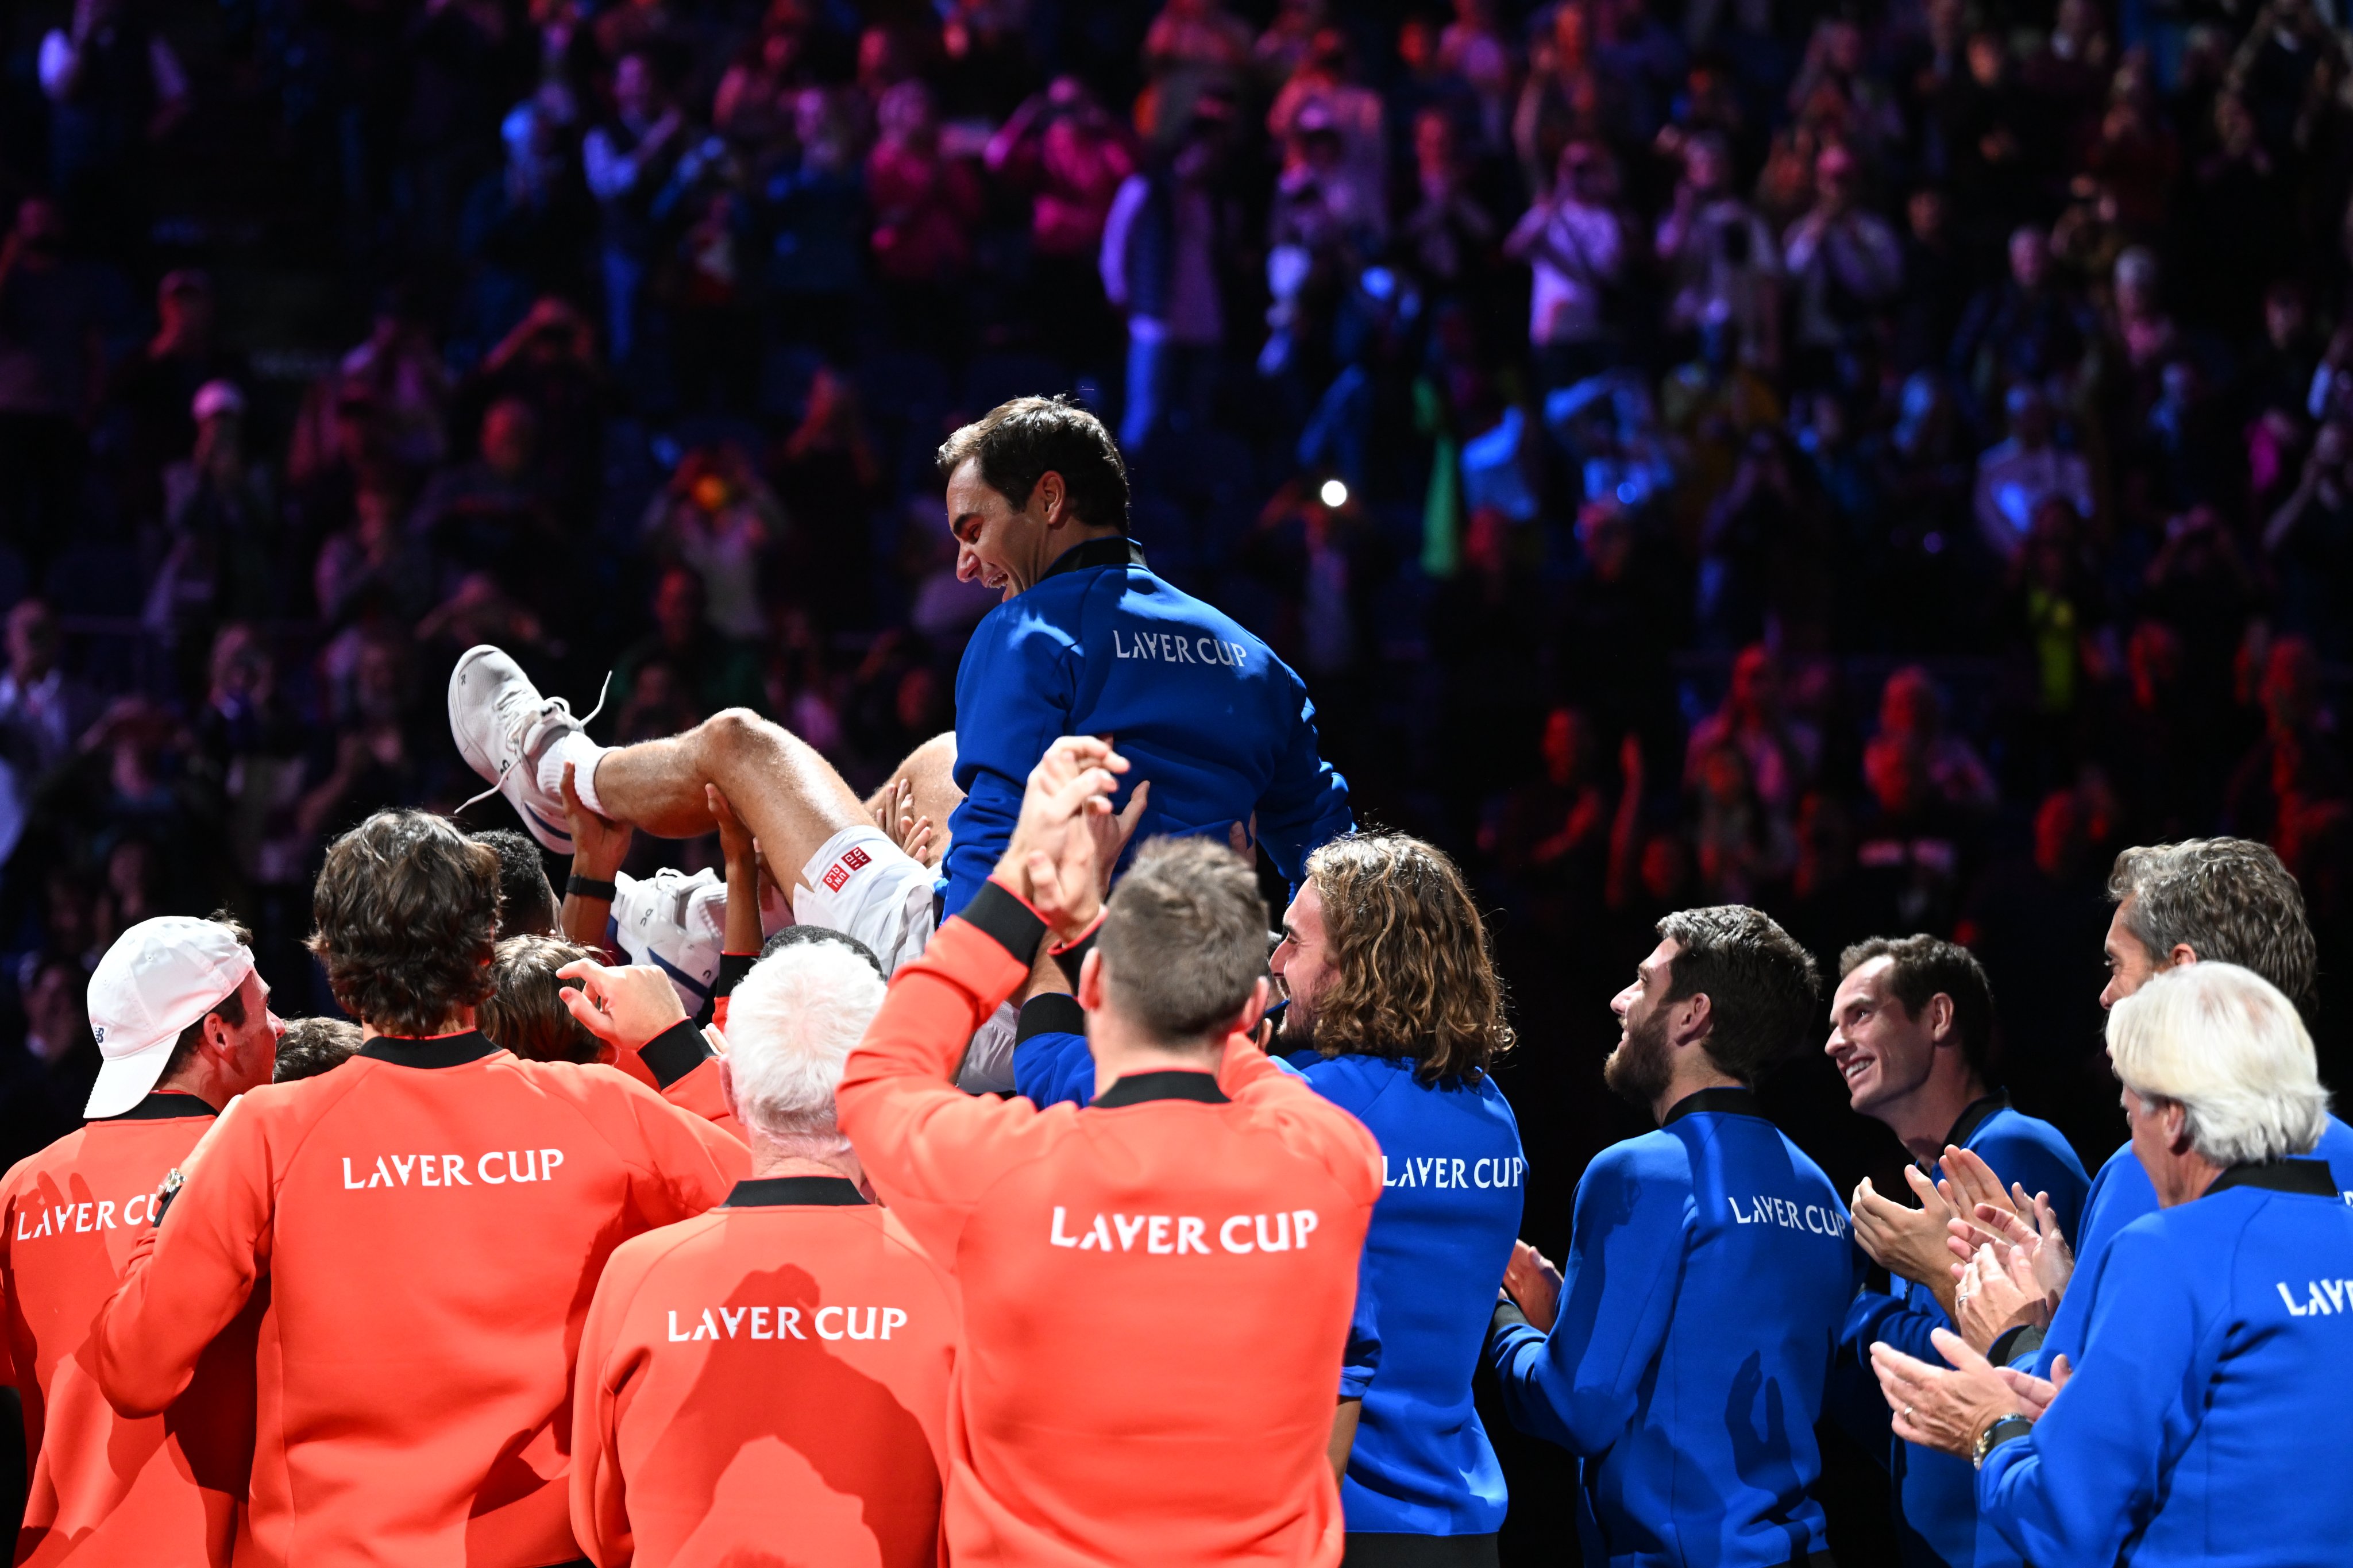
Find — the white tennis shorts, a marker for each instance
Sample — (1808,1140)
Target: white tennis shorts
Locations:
(863,885)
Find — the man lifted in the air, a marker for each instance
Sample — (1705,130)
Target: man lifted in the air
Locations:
(1086,642)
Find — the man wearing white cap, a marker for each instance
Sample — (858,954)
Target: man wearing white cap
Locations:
(183,1025)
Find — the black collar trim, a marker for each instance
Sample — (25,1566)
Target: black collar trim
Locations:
(795,1192)
(1974,1116)
(1112,550)
(1169,1083)
(1721,1099)
(446,1052)
(2310,1177)
(163,1105)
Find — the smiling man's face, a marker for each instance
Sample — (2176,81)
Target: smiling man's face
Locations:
(998,544)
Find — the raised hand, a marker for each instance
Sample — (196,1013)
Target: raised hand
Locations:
(1908,1242)
(625,1005)
(895,813)
(1052,858)
(599,845)
(1111,831)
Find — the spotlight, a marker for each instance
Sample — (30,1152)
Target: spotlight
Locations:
(1333,494)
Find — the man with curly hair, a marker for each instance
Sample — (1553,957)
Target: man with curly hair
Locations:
(432,1216)
(1683,1356)
(1395,1014)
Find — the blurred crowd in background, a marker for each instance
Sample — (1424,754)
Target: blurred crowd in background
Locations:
(1868,461)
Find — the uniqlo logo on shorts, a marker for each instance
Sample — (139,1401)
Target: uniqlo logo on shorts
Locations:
(838,877)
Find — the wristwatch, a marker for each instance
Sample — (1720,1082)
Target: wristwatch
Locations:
(172,1181)
(1996,1434)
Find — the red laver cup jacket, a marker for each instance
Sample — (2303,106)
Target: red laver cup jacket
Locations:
(432,1216)
(106,1490)
(1156,1288)
(772,1376)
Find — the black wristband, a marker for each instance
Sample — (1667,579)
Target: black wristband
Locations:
(579,886)
(1050,1013)
(732,968)
(1010,923)
(675,1052)
(1070,959)
(1507,1315)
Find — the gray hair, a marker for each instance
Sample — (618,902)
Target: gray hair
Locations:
(2225,1043)
(791,1025)
(2229,900)
(1183,940)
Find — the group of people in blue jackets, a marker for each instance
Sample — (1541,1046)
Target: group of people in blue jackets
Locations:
(2175,1399)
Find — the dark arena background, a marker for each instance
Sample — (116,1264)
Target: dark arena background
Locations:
(1869,461)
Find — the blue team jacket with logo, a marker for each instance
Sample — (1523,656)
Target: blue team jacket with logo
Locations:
(1454,1175)
(2121,1195)
(2205,1423)
(1935,1494)
(1709,1267)
(1101,646)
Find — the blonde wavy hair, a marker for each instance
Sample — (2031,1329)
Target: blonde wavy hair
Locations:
(1413,974)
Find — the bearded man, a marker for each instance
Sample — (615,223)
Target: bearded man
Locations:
(1683,1354)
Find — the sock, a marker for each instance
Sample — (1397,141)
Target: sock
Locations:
(582,752)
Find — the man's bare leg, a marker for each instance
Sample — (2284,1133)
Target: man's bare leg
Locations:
(781,788)
(523,742)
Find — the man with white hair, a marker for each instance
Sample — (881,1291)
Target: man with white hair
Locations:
(2206,1422)
(776,1369)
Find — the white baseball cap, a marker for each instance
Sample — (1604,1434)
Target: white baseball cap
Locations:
(159,977)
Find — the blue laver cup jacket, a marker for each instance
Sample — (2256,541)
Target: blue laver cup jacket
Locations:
(1935,1494)
(1453,1180)
(2206,1424)
(2121,1195)
(1709,1267)
(1204,709)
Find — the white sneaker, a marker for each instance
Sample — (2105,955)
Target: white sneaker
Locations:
(676,923)
(503,726)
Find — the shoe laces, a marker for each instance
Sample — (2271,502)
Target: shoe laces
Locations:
(506,706)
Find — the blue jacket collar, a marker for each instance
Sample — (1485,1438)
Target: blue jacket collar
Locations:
(1115,550)
(1726,1100)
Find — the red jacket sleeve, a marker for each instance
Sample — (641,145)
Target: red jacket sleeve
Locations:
(193,1272)
(930,1149)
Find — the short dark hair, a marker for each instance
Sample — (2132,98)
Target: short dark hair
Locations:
(1924,967)
(1760,983)
(406,913)
(230,1007)
(313,1046)
(524,1011)
(2230,900)
(798,935)
(1018,443)
(1183,938)
(527,905)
